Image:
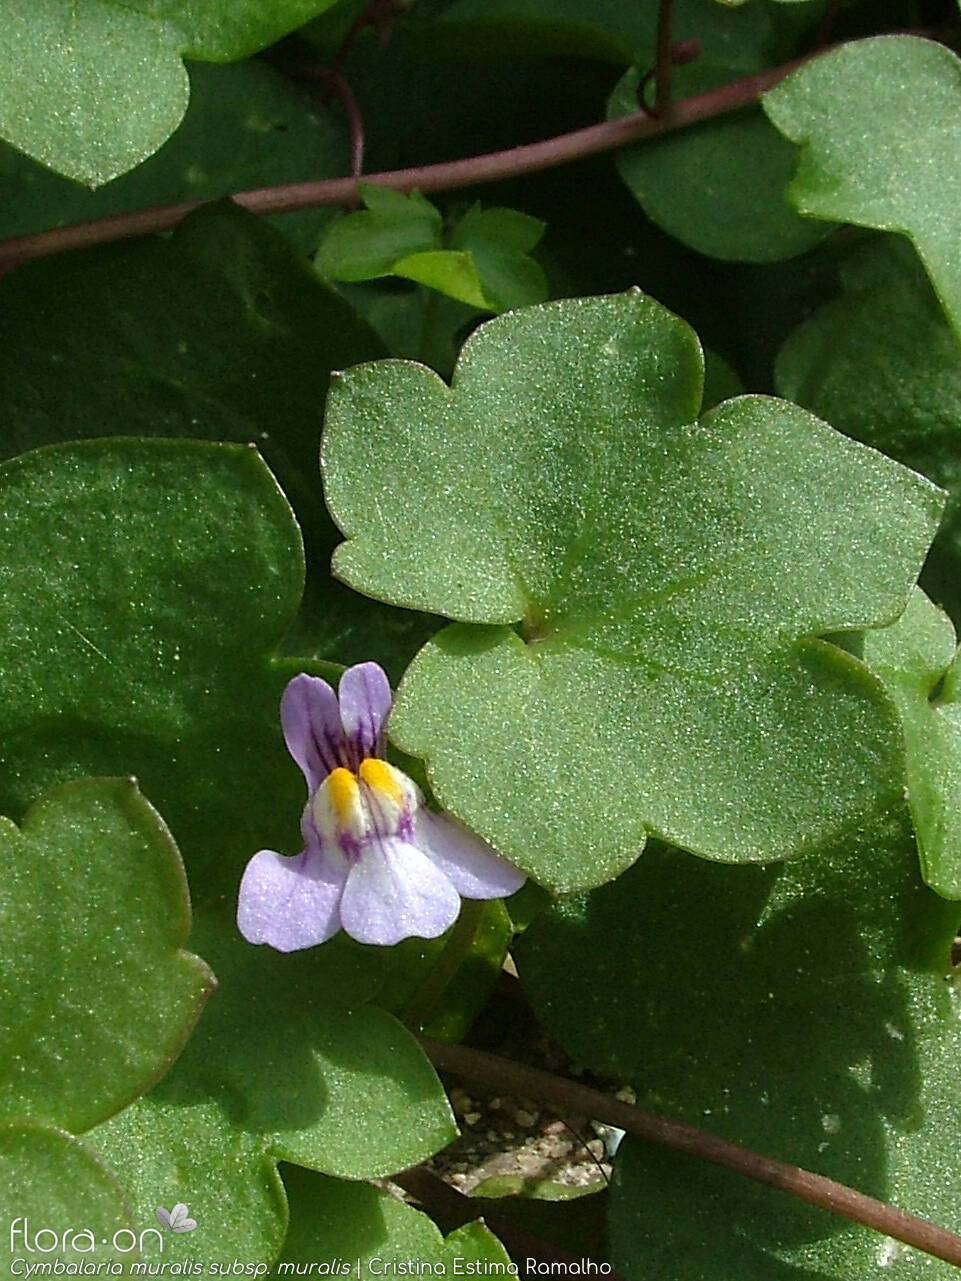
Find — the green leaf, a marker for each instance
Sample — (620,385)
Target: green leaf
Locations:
(486,265)
(105,85)
(50,1180)
(90,90)
(170,570)
(448,272)
(881,364)
(367,244)
(811,1023)
(657,678)
(246,126)
(326,1081)
(362,1227)
(164,1152)
(879,123)
(221,332)
(227,30)
(717,186)
(96,996)
(499,242)
(913,657)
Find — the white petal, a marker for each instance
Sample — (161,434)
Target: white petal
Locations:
(469,863)
(395,892)
(291,903)
(163,1217)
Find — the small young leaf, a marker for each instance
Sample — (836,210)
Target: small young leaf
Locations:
(365,245)
(450,273)
(485,265)
(96,995)
(879,124)
(499,241)
(664,572)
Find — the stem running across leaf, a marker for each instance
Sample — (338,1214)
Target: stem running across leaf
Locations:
(815,1189)
(531,158)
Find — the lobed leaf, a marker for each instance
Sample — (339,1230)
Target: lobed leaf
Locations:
(289,1063)
(879,126)
(666,575)
(96,996)
(246,126)
(169,571)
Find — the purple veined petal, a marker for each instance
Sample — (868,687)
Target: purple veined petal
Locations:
(365,700)
(469,863)
(291,903)
(163,1217)
(395,892)
(310,717)
(178,1213)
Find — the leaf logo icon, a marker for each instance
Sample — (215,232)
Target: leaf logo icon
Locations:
(177,1219)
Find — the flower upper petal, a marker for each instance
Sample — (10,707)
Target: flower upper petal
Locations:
(291,903)
(395,892)
(365,700)
(469,863)
(312,727)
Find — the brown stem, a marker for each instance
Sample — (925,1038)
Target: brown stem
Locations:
(337,83)
(815,1189)
(491,167)
(662,66)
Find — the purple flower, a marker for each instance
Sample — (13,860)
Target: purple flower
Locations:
(376,862)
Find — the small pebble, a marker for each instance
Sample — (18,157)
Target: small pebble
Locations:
(525,1119)
(471,1118)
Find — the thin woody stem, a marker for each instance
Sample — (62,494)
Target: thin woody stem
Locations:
(815,1189)
(491,167)
(662,66)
